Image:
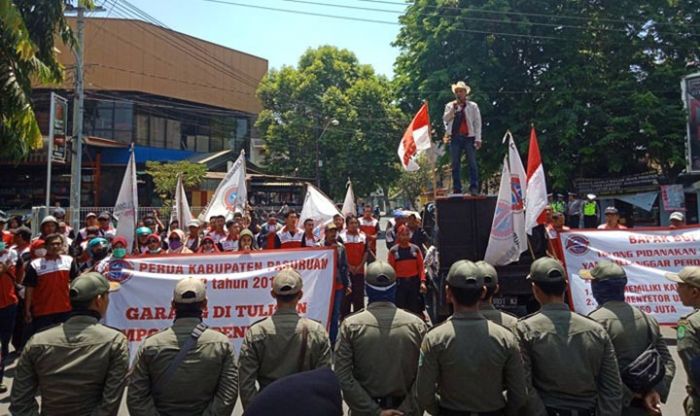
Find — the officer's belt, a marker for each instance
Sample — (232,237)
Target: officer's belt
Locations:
(389,402)
(449,412)
(553,411)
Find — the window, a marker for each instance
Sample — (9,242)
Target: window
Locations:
(191,143)
(173,134)
(142,129)
(202,144)
(104,116)
(157,132)
(216,144)
(123,122)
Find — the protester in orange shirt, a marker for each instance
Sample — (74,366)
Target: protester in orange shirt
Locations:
(290,235)
(8,304)
(370,226)
(407,261)
(356,250)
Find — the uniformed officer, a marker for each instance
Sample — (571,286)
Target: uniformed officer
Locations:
(631,332)
(282,344)
(468,361)
(688,334)
(187,369)
(488,272)
(377,350)
(79,367)
(569,359)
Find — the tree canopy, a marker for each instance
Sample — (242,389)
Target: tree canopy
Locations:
(165,175)
(28,30)
(300,102)
(599,80)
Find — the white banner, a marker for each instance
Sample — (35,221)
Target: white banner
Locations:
(231,195)
(645,254)
(349,206)
(181,208)
(238,289)
(318,207)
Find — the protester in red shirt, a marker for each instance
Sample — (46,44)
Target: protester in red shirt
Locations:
(289,236)
(230,243)
(407,261)
(309,239)
(268,233)
(46,279)
(370,226)
(8,304)
(356,250)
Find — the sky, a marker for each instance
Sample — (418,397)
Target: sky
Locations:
(279,37)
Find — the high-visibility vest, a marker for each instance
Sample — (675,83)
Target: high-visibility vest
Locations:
(590,208)
(558,206)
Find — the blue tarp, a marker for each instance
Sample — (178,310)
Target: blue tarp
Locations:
(120,156)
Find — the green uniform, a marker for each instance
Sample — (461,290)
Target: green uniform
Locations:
(689,350)
(494,315)
(570,363)
(377,358)
(629,330)
(79,368)
(466,363)
(272,349)
(205,382)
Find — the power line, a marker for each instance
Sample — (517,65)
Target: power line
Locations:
(502,12)
(365,20)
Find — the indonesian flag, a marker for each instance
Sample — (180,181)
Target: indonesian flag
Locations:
(415,139)
(536,192)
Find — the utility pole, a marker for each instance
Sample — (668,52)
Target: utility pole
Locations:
(77,159)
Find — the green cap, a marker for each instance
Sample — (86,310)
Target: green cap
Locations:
(287,282)
(488,272)
(546,270)
(689,275)
(380,273)
(604,270)
(89,285)
(465,274)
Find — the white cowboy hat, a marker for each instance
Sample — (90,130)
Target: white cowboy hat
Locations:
(461,85)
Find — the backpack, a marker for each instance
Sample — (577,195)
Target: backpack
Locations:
(647,370)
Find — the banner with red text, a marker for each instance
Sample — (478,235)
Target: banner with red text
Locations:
(645,255)
(238,289)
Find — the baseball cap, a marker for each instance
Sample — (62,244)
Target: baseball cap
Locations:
(546,270)
(153,236)
(331,226)
(189,290)
(59,212)
(678,216)
(689,275)
(119,240)
(465,274)
(380,273)
(104,216)
(604,270)
(193,223)
(611,210)
(89,285)
(49,218)
(488,272)
(90,214)
(287,282)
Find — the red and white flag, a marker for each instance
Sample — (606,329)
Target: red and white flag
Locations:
(415,139)
(536,193)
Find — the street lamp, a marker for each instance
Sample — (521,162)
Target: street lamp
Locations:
(330,122)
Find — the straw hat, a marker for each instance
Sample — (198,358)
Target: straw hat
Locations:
(461,85)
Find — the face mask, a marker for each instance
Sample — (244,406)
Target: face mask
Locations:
(40,252)
(175,244)
(119,253)
(154,251)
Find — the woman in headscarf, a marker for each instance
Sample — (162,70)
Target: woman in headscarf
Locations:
(176,242)
(246,241)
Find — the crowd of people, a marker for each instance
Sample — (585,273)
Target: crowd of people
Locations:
(384,358)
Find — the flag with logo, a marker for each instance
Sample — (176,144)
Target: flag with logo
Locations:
(504,245)
(231,195)
(349,203)
(318,207)
(536,193)
(415,139)
(518,179)
(181,208)
(127,203)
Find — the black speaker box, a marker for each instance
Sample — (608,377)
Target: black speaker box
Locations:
(464,225)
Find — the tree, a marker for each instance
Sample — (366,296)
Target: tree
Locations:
(598,79)
(27,34)
(165,175)
(412,184)
(299,103)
